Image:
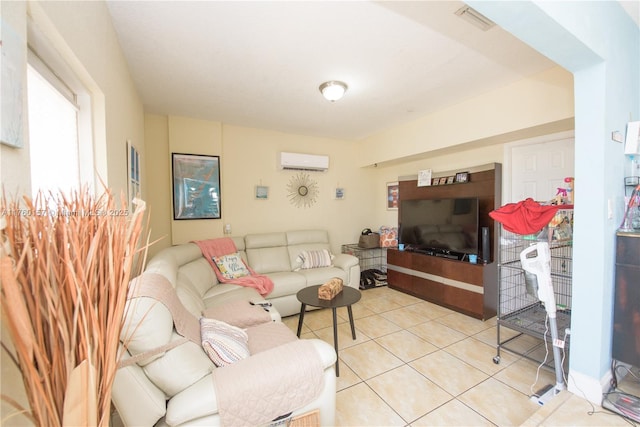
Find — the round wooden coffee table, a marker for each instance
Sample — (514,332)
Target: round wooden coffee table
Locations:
(348,296)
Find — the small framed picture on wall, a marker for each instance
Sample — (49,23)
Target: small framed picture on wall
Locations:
(262,192)
(393,196)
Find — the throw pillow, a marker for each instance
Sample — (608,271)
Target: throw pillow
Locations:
(315,259)
(223,343)
(231,266)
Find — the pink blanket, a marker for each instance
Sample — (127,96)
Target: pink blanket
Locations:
(254,391)
(224,246)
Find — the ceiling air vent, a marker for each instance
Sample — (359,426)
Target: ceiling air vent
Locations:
(474,17)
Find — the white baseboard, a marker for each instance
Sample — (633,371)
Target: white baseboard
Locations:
(587,387)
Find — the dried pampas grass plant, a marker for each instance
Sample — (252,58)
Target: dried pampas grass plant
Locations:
(65,266)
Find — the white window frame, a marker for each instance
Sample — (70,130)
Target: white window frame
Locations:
(50,64)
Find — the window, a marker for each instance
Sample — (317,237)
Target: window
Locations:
(53,137)
(61,144)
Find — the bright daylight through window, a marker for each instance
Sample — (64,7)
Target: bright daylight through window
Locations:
(53,137)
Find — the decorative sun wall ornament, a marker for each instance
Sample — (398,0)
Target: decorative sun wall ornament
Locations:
(302,190)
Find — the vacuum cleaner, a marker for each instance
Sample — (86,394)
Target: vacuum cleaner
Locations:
(536,263)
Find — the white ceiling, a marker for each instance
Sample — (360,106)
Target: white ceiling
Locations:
(259,64)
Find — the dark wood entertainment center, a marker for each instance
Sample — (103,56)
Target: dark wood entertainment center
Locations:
(464,287)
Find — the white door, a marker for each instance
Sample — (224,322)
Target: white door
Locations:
(537,168)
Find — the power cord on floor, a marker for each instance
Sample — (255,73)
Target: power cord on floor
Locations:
(613,385)
(593,410)
(546,354)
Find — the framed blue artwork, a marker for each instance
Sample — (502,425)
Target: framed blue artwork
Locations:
(196,186)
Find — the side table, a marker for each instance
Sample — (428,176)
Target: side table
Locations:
(348,296)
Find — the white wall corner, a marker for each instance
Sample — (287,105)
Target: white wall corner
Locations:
(587,387)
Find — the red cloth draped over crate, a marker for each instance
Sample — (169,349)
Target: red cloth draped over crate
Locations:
(525,217)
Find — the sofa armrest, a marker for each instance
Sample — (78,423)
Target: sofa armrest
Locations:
(137,400)
(351,265)
(326,351)
(199,400)
(345,261)
(196,401)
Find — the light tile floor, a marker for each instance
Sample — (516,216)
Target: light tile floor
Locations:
(418,364)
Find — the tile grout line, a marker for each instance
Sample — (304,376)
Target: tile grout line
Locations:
(437,319)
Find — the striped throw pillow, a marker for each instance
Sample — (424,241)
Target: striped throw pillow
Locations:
(223,343)
(315,259)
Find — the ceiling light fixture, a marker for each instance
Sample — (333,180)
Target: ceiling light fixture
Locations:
(333,90)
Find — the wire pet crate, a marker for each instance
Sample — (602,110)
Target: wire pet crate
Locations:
(521,310)
(370,258)
(373,265)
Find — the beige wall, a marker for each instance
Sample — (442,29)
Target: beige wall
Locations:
(468,134)
(84,37)
(158,180)
(190,136)
(454,139)
(442,165)
(538,105)
(248,158)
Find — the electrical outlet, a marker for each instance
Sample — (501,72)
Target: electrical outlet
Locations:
(617,136)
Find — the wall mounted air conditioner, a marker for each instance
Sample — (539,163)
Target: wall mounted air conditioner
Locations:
(306,162)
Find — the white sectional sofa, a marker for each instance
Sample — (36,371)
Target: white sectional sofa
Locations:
(176,387)
(276,255)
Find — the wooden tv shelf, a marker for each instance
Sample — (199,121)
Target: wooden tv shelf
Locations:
(459,285)
(467,288)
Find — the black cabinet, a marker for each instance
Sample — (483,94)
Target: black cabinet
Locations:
(626,316)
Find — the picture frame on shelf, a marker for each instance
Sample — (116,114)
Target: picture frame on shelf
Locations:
(393,196)
(462,177)
(196,186)
(436,181)
(443,180)
(450,179)
(424,178)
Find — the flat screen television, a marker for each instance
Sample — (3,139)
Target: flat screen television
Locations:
(439,225)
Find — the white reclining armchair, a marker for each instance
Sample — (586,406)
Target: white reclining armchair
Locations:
(181,386)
